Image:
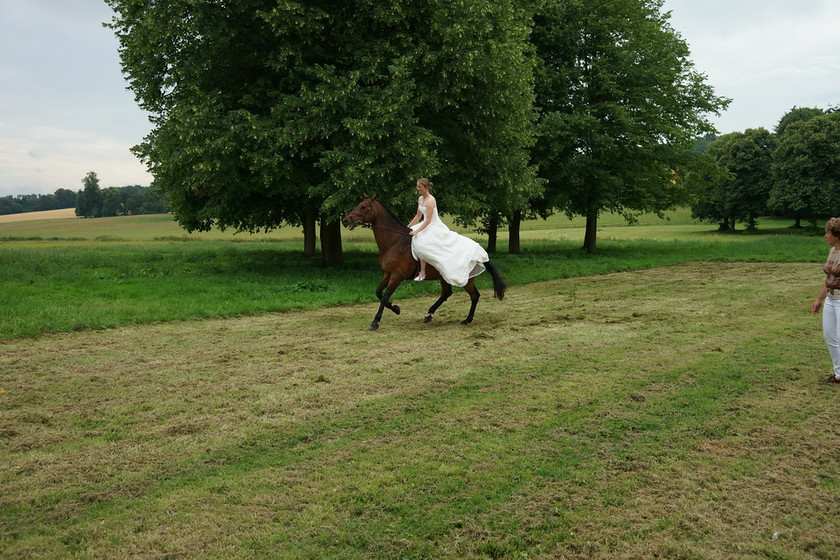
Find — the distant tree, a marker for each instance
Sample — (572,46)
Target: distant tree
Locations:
(113,202)
(806,169)
(10,205)
(621,105)
(702,144)
(62,198)
(65,198)
(797,114)
(89,199)
(153,202)
(742,191)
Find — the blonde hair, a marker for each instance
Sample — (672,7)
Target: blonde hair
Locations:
(832,226)
(426,183)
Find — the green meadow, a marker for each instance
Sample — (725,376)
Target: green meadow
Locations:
(75,274)
(218,396)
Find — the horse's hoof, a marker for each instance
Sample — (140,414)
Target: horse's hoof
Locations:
(466,322)
(374,326)
(396,309)
(427,318)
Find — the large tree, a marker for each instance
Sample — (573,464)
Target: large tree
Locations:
(480,104)
(621,105)
(268,112)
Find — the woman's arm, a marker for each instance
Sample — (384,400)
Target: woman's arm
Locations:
(431,204)
(817,305)
(418,215)
(420,228)
(415,219)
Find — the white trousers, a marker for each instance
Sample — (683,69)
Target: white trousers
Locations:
(831,331)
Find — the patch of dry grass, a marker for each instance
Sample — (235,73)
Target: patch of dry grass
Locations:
(671,413)
(44,215)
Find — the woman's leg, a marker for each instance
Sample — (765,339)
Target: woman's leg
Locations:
(831,332)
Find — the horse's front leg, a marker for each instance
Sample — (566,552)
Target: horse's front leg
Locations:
(379,294)
(385,301)
(445,292)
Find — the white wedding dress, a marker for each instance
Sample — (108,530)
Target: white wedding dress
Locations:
(456,257)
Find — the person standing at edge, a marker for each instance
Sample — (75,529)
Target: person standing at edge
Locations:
(829,298)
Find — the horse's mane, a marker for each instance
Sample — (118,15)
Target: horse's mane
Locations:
(391,215)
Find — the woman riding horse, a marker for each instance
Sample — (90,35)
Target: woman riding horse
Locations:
(394,243)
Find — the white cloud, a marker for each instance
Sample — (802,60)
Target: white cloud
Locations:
(64,108)
(768,56)
(44,158)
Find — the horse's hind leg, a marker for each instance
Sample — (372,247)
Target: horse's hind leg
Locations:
(474,296)
(445,292)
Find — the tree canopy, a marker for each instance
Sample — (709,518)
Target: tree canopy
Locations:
(740,192)
(89,199)
(620,107)
(270,112)
(267,112)
(61,198)
(806,167)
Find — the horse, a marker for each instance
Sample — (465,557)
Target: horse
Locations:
(398,264)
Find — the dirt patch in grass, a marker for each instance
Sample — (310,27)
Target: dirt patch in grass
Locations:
(673,412)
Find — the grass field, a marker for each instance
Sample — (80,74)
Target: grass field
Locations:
(659,400)
(77,275)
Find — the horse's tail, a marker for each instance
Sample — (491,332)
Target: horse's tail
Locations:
(499,286)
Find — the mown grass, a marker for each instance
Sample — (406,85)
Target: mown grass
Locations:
(665,413)
(619,405)
(70,275)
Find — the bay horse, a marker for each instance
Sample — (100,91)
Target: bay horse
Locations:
(394,242)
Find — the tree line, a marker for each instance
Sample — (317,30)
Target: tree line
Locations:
(792,172)
(92,201)
(272,113)
(61,198)
(95,202)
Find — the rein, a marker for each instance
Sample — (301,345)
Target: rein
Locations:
(371,226)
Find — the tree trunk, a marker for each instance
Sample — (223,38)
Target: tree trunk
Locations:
(492,233)
(309,238)
(514,247)
(331,243)
(591,231)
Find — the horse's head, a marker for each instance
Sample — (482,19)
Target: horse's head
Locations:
(364,213)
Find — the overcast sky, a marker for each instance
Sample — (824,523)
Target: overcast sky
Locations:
(64,109)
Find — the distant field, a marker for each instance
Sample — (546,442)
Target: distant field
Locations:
(46,215)
(62,225)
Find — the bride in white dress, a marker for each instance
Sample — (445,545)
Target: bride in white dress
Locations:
(456,257)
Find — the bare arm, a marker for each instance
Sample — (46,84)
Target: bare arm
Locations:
(416,218)
(431,204)
(817,305)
